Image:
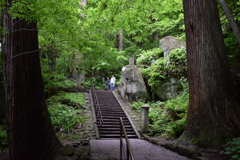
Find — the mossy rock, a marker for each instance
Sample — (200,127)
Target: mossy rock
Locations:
(68,150)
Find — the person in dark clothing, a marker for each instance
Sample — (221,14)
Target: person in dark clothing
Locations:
(108,84)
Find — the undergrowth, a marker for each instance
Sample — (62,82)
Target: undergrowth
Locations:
(3,139)
(167,118)
(157,69)
(57,80)
(65,111)
(232,149)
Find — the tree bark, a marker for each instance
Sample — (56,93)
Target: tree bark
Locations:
(52,55)
(116,45)
(214,112)
(121,40)
(231,20)
(78,72)
(30,132)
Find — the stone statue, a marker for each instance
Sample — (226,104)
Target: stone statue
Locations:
(131,61)
(133,87)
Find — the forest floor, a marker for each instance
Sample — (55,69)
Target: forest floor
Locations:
(87,131)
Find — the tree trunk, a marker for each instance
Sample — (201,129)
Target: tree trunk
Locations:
(78,72)
(121,40)
(116,45)
(214,112)
(30,132)
(231,20)
(52,54)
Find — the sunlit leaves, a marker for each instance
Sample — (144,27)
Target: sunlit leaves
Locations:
(138,18)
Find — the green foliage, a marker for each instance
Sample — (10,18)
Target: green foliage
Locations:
(233,49)
(3,139)
(156,68)
(1,69)
(51,80)
(67,27)
(232,149)
(86,83)
(137,105)
(146,58)
(64,118)
(64,109)
(98,84)
(71,99)
(168,118)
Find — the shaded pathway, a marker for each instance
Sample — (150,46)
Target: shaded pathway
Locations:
(142,150)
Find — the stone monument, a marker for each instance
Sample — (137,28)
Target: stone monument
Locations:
(133,87)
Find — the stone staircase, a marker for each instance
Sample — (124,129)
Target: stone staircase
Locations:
(111,111)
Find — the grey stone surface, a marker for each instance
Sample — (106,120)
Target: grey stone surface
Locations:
(133,87)
(169,43)
(166,90)
(142,150)
(133,116)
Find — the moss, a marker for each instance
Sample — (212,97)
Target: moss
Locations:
(70,99)
(188,152)
(200,141)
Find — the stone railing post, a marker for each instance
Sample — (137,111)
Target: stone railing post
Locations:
(145,111)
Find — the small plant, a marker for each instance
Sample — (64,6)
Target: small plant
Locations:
(157,69)
(137,105)
(70,99)
(57,80)
(3,139)
(232,149)
(148,57)
(168,118)
(64,118)
(65,110)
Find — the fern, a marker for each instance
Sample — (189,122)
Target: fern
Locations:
(232,149)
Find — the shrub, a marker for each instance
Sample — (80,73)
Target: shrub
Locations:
(3,139)
(64,109)
(146,58)
(168,118)
(157,69)
(232,149)
(64,118)
(51,80)
(138,106)
(69,99)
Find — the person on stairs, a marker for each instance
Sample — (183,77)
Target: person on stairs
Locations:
(112,82)
(108,84)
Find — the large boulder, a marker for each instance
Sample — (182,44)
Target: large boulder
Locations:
(133,86)
(169,43)
(171,87)
(166,90)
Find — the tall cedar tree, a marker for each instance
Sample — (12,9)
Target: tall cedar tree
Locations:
(214,105)
(30,132)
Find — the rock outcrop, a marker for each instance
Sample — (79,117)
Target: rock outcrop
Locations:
(133,86)
(169,89)
(169,43)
